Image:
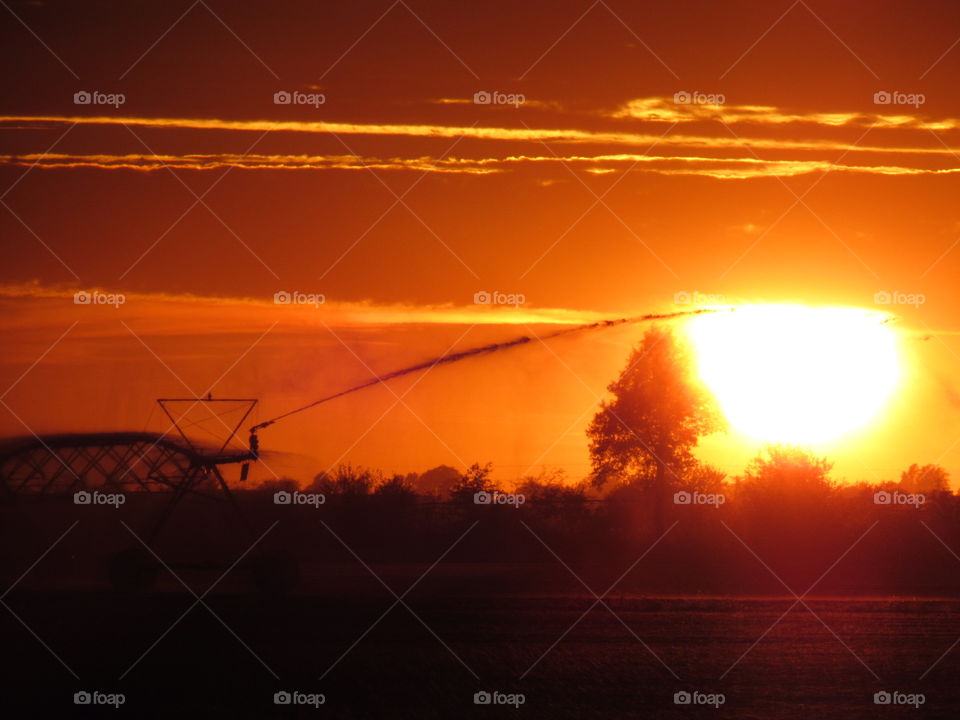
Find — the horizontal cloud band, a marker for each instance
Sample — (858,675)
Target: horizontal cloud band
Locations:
(743,165)
(715,167)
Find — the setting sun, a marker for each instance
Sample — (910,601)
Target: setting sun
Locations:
(796,374)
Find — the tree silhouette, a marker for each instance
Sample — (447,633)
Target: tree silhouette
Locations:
(437,482)
(345,480)
(788,469)
(475,479)
(706,479)
(396,487)
(647,431)
(924,479)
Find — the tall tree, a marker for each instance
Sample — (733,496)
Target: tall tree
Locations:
(647,430)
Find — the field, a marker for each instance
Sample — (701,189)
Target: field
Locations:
(382,631)
(451,638)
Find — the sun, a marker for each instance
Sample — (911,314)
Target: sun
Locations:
(796,374)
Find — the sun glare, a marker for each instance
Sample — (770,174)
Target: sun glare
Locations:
(796,374)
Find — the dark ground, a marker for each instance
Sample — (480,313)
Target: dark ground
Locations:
(468,625)
(401,669)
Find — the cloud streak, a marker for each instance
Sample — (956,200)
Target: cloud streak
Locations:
(176,314)
(723,156)
(502,134)
(690,165)
(665,110)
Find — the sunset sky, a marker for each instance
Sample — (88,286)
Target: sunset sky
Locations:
(398,198)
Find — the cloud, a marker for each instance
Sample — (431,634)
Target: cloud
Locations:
(665,110)
(525,134)
(692,165)
(176,314)
(197,161)
(527,103)
(722,157)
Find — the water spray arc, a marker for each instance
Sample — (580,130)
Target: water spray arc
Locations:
(463,355)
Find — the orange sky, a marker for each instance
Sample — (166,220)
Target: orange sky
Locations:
(398,198)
